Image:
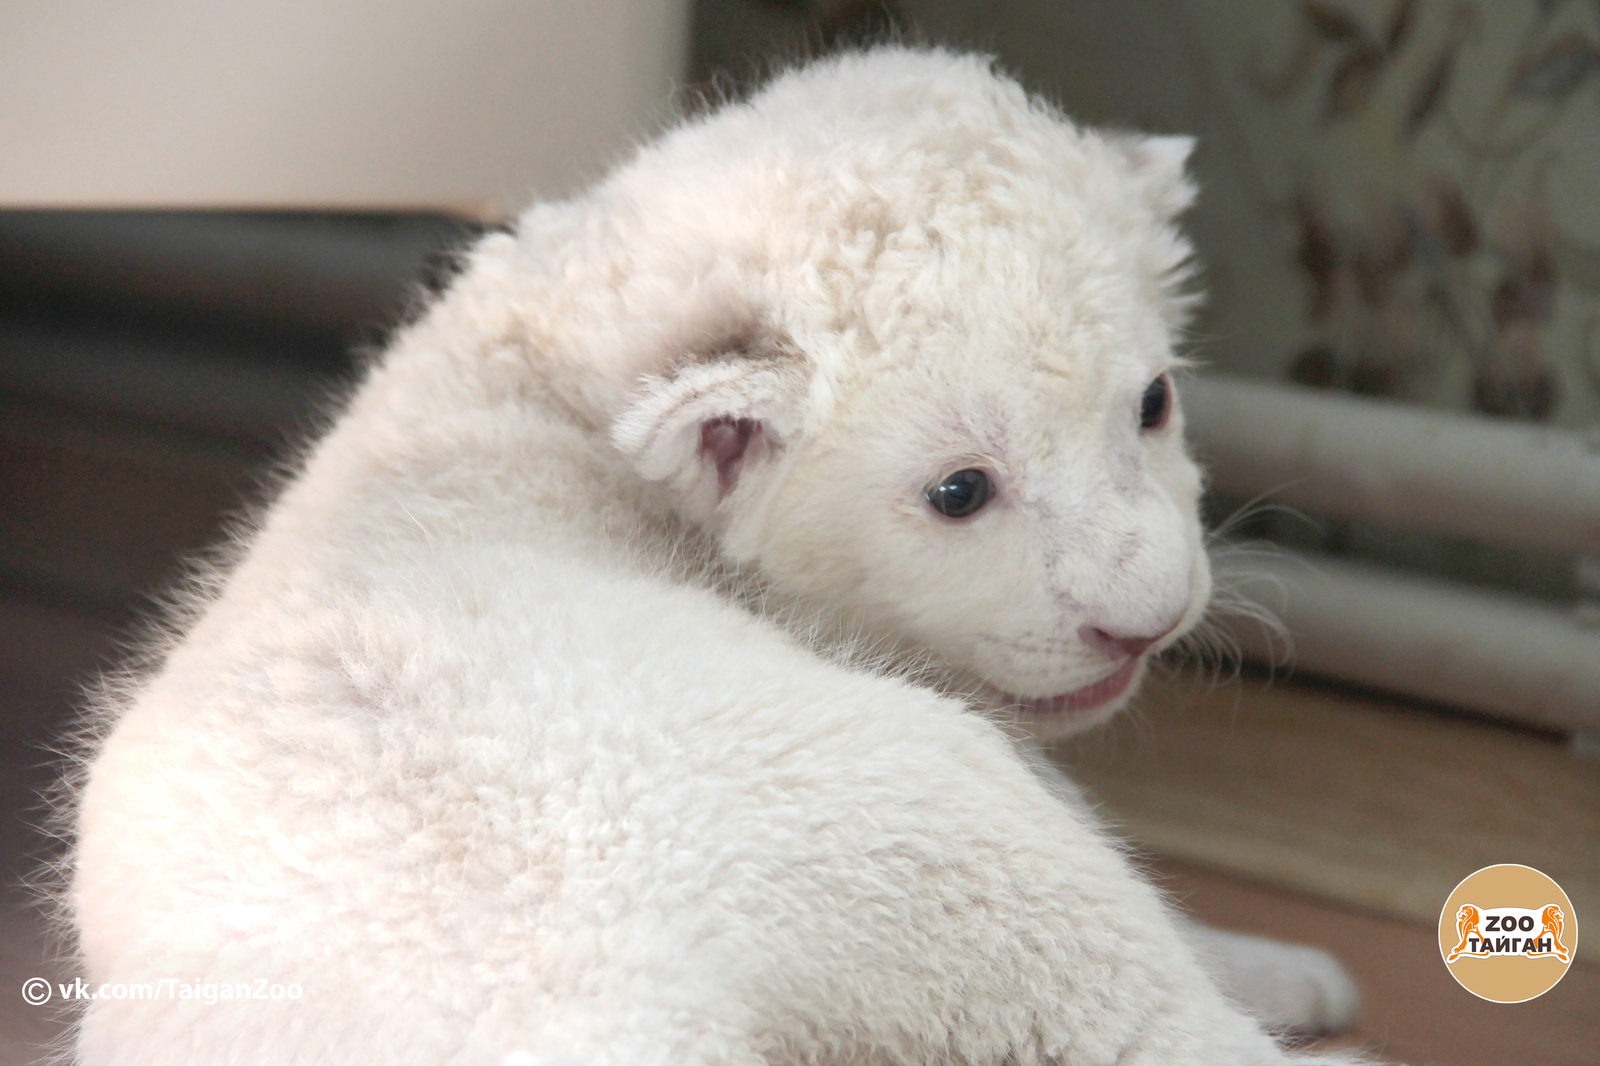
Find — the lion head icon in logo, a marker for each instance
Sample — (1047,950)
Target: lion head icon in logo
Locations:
(1467,927)
(1552,924)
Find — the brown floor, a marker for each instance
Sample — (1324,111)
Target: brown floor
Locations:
(1413,1011)
(1371,802)
(1344,820)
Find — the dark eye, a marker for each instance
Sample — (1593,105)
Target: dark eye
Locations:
(960,494)
(1156,404)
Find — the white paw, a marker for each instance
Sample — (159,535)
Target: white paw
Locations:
(1286,986)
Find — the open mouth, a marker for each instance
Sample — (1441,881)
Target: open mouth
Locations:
(1086,698)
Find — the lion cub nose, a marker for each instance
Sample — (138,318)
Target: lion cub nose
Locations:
(1117,647)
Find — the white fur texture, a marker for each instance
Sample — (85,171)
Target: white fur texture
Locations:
(523,733)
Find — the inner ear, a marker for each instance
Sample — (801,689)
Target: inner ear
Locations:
(724,442)
(702,429)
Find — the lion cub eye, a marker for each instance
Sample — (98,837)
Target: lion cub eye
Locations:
(960,494)
(1156,404)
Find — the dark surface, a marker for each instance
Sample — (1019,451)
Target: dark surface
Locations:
(153,364)
(153,368)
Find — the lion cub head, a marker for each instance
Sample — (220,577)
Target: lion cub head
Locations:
(916,370)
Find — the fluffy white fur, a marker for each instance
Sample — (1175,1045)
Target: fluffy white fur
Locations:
(556,714)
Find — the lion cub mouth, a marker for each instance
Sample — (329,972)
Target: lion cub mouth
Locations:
(1083,699)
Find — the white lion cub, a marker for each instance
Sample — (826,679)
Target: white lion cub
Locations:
(581,698)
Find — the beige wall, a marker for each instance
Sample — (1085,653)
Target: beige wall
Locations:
(474,104)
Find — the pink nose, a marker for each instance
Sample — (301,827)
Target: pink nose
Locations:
(1118,647)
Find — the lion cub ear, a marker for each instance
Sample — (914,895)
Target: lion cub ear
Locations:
(1160,165)
(704,427)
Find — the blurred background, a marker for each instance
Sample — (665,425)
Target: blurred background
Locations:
(208,212)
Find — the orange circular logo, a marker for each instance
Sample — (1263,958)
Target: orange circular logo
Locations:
(1507,933)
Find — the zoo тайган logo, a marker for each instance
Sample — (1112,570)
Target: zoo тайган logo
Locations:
(1507,933)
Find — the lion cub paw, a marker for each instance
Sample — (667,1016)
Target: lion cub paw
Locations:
(1286,986)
